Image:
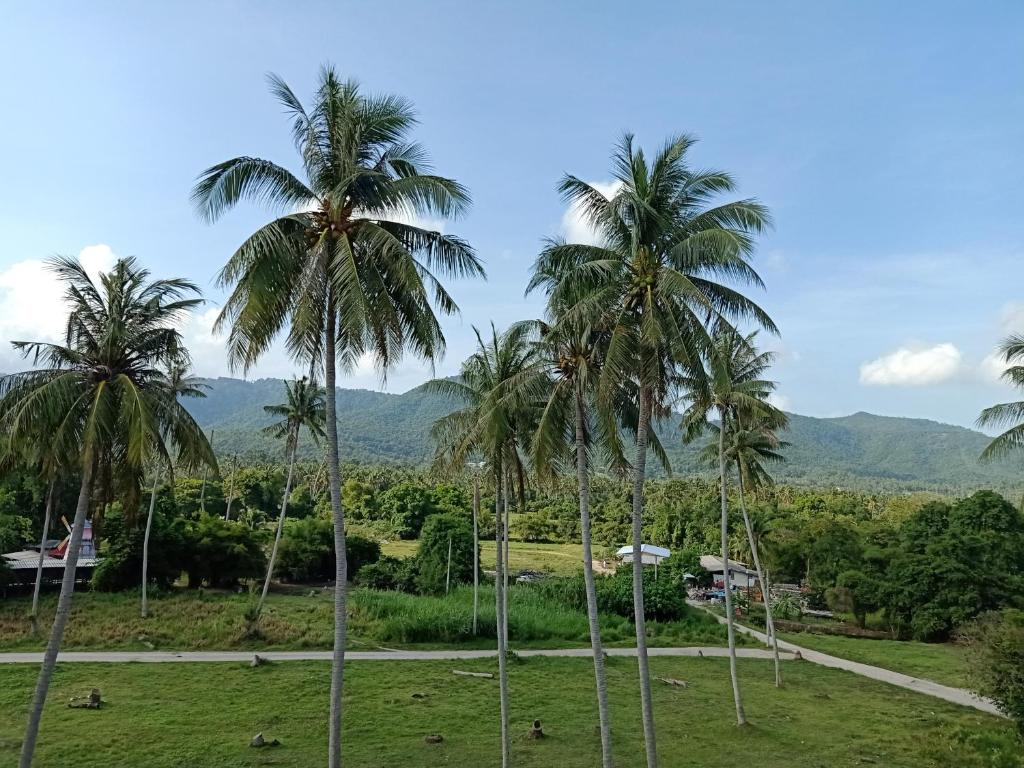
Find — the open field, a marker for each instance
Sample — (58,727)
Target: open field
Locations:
(183,715)
(558,559)
(942,662)
(190,620)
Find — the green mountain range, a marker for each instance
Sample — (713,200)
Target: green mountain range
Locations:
(862,451)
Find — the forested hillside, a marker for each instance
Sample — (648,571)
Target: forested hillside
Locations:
(859,451)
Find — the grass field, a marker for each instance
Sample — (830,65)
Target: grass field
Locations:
(557,559)
(186,715)
(189,620)
(942,662)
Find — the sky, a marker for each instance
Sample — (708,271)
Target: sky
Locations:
(886,138)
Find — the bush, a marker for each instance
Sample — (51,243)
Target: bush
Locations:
(389,573)
(221,552)
(432,557)
(996,643)
(406,506)
(307,551)
(15,532)
(663,600)
(121,566)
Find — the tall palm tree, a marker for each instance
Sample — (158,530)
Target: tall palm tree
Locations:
(728,381)
(1010,415)
(103,394)
(749,448)
(304,407)
(340,268)
(654,279)
(177,384)
(491,424)
(564,378)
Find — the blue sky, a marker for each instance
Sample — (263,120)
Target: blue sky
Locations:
(886,139)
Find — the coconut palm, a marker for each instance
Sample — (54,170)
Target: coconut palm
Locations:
(304,407)
(1010,415)
(492,423)
(101,394)
(664,245)
(564,376)
(728,382)
(342,268)
(177,384)
(748,449)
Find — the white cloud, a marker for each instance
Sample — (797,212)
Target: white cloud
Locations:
(780,401)
(32,306)
(913,367)
(575,228)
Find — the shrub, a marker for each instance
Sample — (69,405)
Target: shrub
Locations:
(389,573)
(307,551)
(221,552)
(432,556)
(663,600)
(15,532)
(996,643)
(121,566)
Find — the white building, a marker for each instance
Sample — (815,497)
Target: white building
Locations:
(740,577)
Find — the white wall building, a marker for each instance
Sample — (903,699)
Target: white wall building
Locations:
(740,577)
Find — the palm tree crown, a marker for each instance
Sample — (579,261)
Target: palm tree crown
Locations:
(1009,415)
(305,406)
(103,394)
(343,248)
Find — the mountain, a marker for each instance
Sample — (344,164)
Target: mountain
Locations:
(862,451)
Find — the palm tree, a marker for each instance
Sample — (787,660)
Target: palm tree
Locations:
(728,381)
(475,468)
(490,424)
(340,267)
(653,279)
(102,394)
(177,383)
(305,407)
(749,448)
(564,378)
(1010,415)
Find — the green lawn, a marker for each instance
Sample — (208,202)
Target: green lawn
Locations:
(190,620)
(186,715)
(558,559)
(942,662)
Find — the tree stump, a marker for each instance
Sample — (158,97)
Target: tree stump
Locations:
(433,738)
(92,701)
(536,732)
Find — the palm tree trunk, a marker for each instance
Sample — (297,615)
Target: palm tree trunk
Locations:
(505,570)
(60,620)
(600,680)
(639,470)
(741,718)
(144,607)
(42,556)
(280,524)
(500,608)
(476,550)
(341,568)
(763,581)
(206,472)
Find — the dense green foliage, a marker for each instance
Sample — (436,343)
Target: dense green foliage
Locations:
(862,451)
(307,551)
(122,561)
(220,553)
(446,540)
(996,643)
